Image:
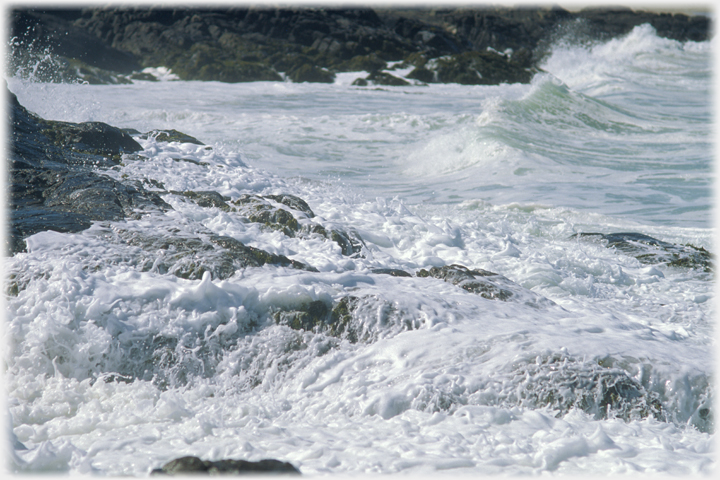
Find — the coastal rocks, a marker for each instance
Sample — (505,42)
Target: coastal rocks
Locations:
(191,256)
(563,383)
(311,74)
(206,199)
(473,68)
(649,250)
(171,135)
(111,45)
(381,78)
(195,466)
(356,319)
(52,187)
(94,138)
(40,142)
(481,282)
(50,31)
(209,62)
(258,210)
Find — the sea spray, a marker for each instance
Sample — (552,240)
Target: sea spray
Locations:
(596,361)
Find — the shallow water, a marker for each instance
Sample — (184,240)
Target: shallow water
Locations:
(115,368)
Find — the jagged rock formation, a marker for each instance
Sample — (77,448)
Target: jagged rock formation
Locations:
(477,46)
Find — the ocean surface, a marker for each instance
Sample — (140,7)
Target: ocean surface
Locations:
(597,363)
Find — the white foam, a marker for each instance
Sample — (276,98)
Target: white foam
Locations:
(114,368)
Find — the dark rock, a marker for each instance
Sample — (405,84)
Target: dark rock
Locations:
(422,74)
(305,317)
(356,319)
(206,199)
(310,73)
(600,390)
(258,210)
(191,255)
(477,68)
(350,242)
(296,203)
(606,22)
(51,186)
(146,77)
(52,30)
(308,44)
(194,465)
(95,138)
(368,63)
(251,256)
(360,82)
(650,250)
(394,272)
(384,78)
(171,136)
(479,281)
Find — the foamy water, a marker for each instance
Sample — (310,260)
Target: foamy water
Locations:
(115,368)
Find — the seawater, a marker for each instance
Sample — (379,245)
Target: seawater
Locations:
(611,137)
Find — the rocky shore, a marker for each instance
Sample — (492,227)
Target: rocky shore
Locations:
(454,45)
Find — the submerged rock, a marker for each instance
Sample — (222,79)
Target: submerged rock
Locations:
(384,78)
(481,282)
(650,250)
(296,203)
(191,256)
(394,272)
(194,465)
(171,136)
(357,319)
(604,392)
(311,74)
(258,210)
(474,68)
(207,198)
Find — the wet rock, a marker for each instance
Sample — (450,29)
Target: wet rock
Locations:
(481,282)
(360,82)
(206,199)
(422,74)
(384,78)
(251,256)
(52,187)
(191,255)
(308,44)
(194,465)
(476,68)
(604,392)
(393,272)
(364,63)
(349,241)
(296,203)
(171,136)
(95,138)
(356,319)
(143,76)
(49,31)
(258,210)
(650,250)
(311,74)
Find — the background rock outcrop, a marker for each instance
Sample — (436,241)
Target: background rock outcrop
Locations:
(494,45)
